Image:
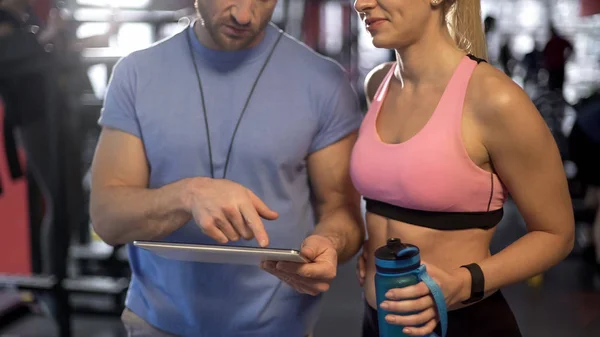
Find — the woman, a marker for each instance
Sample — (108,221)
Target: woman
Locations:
(446,139)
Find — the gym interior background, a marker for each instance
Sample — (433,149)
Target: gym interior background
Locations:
(61,280)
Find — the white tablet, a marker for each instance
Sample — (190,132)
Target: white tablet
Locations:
(220,254)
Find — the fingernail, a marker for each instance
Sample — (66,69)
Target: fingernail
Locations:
(263,242)
(388,295)
(407,330)
(385,306)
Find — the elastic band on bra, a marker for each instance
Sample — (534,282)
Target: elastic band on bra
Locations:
(436,220)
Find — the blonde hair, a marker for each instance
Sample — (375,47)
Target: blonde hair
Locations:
(463,18)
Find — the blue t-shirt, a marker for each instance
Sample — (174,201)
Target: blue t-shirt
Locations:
(303,103)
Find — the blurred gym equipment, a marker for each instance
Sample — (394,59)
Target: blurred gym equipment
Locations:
(57,265)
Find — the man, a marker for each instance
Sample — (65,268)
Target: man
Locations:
(492,38)
(557,52)
(489,24)
(205,133)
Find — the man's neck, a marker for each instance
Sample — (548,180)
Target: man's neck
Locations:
(206,39)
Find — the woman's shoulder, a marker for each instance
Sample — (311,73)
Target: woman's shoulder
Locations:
(495,97)
(507,118)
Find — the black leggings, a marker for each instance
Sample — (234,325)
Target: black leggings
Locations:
(491,317)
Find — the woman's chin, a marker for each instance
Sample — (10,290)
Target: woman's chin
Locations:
(382,43)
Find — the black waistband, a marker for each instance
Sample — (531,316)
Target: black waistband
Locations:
(436,220)
(491,317)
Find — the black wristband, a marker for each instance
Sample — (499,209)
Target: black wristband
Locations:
(477,283)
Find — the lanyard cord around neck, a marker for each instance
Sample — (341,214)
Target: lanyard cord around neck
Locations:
(212,169)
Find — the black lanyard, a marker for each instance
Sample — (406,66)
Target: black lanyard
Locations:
(212,169)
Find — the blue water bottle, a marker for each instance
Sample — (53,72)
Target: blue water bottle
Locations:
(398,265)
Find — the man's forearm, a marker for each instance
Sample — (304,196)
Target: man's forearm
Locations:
(344,227)
(123,214)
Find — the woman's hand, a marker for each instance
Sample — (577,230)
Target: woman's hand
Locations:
(415,306)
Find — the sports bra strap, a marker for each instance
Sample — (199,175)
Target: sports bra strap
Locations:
(475,58)
(384,84)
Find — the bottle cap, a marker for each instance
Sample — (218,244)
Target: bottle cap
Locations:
(396,254)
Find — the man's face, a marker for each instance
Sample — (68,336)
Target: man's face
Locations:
(235,24)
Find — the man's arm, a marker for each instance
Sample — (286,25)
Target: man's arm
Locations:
(337,201)
(122,208)
(339,233)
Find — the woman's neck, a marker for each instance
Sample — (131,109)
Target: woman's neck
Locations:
(428,59)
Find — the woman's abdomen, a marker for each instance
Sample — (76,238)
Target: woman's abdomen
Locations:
(447,250)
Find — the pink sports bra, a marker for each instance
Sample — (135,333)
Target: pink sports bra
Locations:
(428,180)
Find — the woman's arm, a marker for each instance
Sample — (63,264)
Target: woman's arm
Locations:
(526,158)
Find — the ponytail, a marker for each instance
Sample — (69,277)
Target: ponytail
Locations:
(464,22)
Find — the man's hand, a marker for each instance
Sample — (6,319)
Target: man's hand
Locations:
(361,265)
(227,211)
(311,278)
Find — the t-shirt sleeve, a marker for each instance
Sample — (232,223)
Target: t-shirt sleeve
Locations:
(339,116)
(119,111)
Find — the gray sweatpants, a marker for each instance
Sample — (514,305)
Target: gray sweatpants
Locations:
(137,327)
